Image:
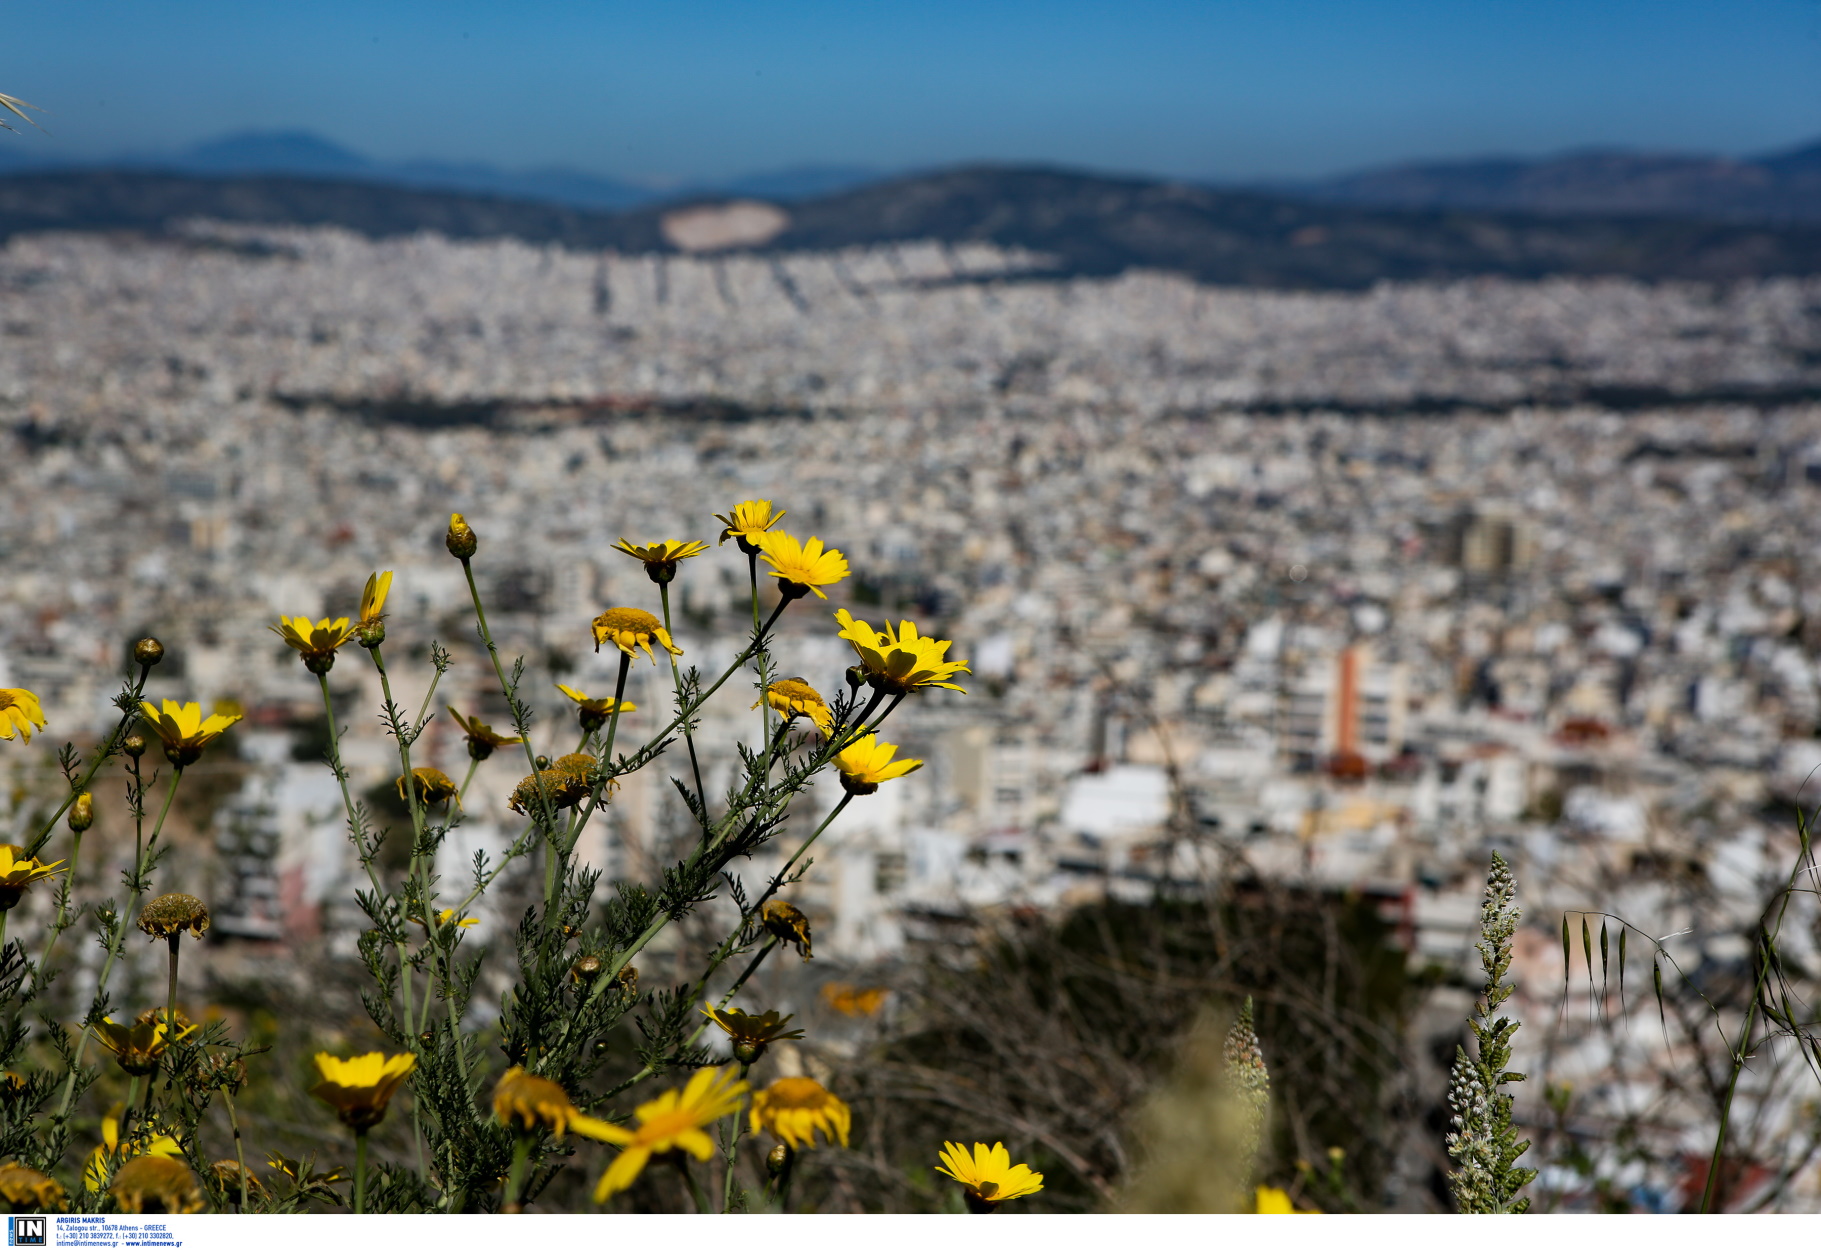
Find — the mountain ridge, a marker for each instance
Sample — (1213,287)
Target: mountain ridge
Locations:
(1089,224)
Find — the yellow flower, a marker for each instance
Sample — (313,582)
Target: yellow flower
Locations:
(568,780)
(594,712)
(537,1102)
(184,730)
(359,1089)
(227,1173)
(482,741)
(900,662)
(170,914)
(110,1151)
(432,786)
(746,521)
(627,628)
(157,1185)
(802,566)
(138,1047)
(27,1189)
(19,711)
(851,1000)
(316,643)
(787,924)
(989,1175)
(17,872)
(370,629)
(447,914)
(868,762)
(661,558)
(1273,1201)
(795,697)
(672,1121)
(751,1034)
(794,1107)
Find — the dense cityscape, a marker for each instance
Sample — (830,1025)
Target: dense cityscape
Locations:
(1347,588)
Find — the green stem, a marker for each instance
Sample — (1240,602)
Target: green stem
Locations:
(689,737)
(733,1148)
(240,1157)
(515,1179)
(462,794)
(360,1171)
(170,997)
(689,1180)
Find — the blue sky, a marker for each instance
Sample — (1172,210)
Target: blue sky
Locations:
(1222,88)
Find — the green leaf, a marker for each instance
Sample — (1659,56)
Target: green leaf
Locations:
(1587,946)
(1656,975)
(1567,958)
(1622,935)
(1603,964)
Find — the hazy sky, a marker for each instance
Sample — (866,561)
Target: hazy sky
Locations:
(1218,88)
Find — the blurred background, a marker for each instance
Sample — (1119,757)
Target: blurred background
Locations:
(1343,441)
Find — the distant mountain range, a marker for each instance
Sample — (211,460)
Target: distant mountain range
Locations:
(1780,187)
(1087,223)
(1785,186)
(297,153)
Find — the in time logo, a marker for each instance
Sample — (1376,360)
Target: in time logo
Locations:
(26,1230)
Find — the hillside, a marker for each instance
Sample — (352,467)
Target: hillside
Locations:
(1090,224)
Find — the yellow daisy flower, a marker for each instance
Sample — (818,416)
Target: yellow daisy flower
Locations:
(370,629)
(446,915)
(1273,1201)
(19,712)
(660,558)
(747,521)
(17,872)
(432,785)
(482,740)
(315,643)
(139,1046)
(852,1000)
(803,567)
(900,662)
(27,1189)
(672,1121)
(361,1088)
(795,697)
(157,1185)
(183,729)
(94,1172)
(594,712)
(535,1102)
(792,1108)
(787,924)
(568,780)
(867,762)
(628,628)
(751,1034)
(989,1176)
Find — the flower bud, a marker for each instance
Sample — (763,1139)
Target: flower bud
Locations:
(777,1162)
(586,969)
(148,651)
(543,762)
(855,676)
(134,745)
(460,539)
(82,812)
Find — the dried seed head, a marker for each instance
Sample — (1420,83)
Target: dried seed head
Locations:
(170,914)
